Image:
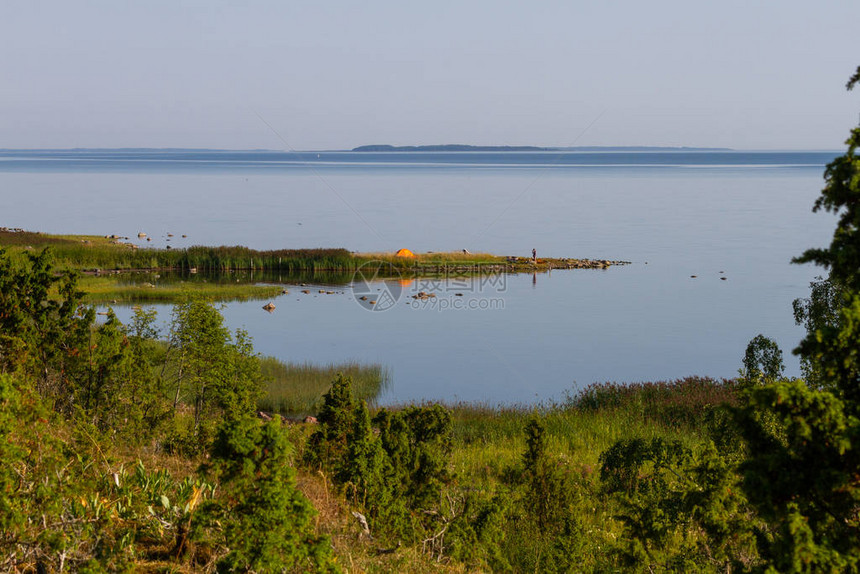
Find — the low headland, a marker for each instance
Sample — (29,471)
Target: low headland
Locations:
(117,269)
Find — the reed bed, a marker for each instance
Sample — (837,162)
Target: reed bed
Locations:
(297,388)
(288,260)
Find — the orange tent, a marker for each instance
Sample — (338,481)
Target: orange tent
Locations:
(404,253)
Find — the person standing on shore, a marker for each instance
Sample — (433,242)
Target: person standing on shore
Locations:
(534,255)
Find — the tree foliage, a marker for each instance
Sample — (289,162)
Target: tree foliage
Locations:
(762,360)
(818,311)
(801,472)
(681,510)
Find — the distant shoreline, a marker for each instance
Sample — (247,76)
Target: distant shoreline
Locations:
(382,148)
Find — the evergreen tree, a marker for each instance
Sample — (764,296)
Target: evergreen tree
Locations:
(267,523)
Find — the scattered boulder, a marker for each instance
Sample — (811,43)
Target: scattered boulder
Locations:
(269,307)
(362,522)
(264,416)
(422,295)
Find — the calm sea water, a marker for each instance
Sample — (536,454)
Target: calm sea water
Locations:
(734,215)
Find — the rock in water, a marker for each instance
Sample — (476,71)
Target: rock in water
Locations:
(269,307)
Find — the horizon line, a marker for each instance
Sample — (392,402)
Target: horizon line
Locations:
(401,148)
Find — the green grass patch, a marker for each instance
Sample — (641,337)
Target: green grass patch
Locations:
(489,439)
(102,289)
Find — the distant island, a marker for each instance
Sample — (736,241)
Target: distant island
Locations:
(449,147)
(465,147)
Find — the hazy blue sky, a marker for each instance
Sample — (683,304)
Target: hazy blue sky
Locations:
(742,74)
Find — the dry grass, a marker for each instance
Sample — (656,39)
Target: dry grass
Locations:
(433,258)
(355,552)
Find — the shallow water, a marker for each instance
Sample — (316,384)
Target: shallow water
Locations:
(536,337)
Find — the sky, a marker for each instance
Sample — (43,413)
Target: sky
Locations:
(336,74)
